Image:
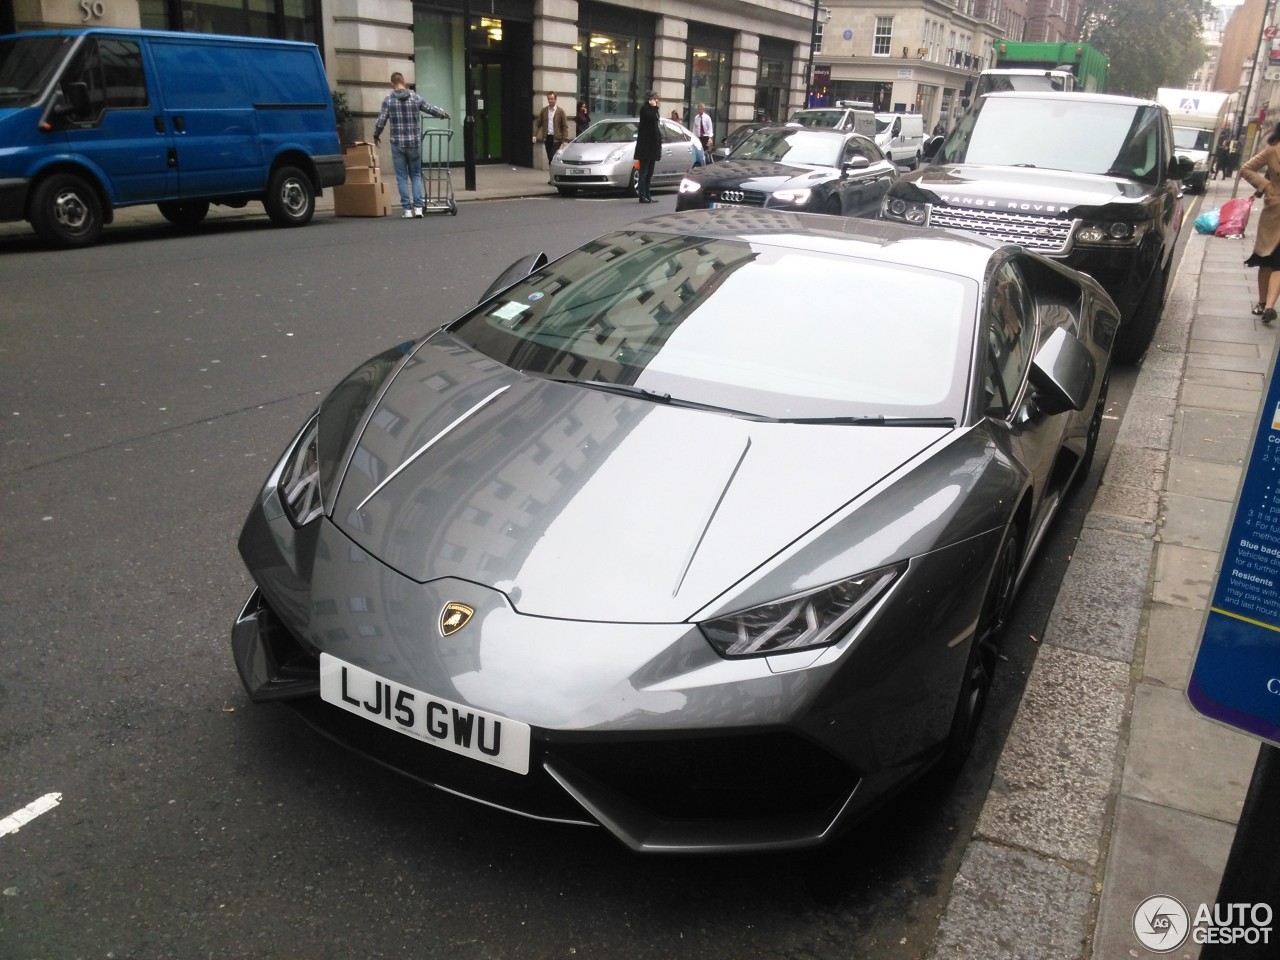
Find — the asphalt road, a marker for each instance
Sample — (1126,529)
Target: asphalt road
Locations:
(148,385)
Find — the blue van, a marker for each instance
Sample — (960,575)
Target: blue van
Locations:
(95,119)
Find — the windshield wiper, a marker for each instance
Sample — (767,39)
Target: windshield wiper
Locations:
(878,421)
(630,390)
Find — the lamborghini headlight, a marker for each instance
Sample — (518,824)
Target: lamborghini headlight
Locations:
(299,483)
(814,619)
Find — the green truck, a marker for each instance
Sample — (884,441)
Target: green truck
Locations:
(1087,64)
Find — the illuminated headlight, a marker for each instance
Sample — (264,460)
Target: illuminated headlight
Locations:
(907,211)
(299,483)
(1111,233)
(796,197)
(814,619)
(689,186)
(1200,166)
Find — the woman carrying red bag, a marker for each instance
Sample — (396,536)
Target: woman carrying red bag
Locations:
(1266,256)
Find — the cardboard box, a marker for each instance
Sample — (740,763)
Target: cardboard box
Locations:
(360,200)
(361,154)
(364,175)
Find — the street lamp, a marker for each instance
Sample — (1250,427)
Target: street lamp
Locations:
(813,36)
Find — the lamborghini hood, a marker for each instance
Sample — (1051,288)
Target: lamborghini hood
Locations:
(580,504)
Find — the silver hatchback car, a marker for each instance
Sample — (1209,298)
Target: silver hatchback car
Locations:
(603,157)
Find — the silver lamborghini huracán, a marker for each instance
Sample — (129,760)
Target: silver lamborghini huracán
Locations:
(704,532)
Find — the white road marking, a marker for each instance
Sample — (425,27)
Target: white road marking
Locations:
(20,818)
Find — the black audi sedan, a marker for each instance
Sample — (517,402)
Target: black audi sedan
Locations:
(793,168)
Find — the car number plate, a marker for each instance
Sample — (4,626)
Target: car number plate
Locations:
(451,726)
(578,172)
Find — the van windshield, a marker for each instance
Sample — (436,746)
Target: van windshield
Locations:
(26,64)
(1060,132)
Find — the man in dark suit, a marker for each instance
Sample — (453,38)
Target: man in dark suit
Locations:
(648,145)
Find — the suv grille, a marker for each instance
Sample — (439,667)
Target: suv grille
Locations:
(1039,233)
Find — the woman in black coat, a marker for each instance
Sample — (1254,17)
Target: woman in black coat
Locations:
(648,145)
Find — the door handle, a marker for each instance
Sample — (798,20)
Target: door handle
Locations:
(178,125)
(159,122)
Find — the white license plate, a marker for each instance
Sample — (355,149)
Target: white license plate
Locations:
(451,726)
(577,172)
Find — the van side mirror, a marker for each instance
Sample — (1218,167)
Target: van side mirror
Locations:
(77,91)
(930,148)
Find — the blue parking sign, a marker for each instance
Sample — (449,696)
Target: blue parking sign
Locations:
(1236,676)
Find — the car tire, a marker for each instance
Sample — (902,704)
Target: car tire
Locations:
(984,653)
(832,207)
(291,198)
(633,185)
(1134,335)
(66,211)
(1095,429)
(184,213)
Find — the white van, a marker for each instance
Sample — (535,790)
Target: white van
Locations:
(901,137)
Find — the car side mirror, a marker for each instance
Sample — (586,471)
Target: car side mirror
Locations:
(854,163)
(1181,168)
(931,148)
(1062,373)
(514,274)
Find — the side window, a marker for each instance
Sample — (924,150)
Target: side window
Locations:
(123,78)
(111,73)
(1010,331)
(671,134)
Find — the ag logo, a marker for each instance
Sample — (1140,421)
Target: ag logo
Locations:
(1161,924)
(454,617)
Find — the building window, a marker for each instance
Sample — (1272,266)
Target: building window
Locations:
(883,40)
(817,34)
(280,19)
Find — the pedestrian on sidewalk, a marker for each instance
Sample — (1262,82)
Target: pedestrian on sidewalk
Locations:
(551,127)
(401,107)
(1266,256)
(581,119)
(703,129)
(648,145)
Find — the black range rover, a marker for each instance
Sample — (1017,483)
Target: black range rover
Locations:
(1085,178)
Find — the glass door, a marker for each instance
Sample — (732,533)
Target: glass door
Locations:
(486,82)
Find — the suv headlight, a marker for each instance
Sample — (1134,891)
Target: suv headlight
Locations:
(814,619)
(905,211)
(1111,233)
(299,483)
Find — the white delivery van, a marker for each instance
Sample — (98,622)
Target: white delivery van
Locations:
(901,137)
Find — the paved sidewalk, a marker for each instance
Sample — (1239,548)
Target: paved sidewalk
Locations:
(1110,789)
(493,182)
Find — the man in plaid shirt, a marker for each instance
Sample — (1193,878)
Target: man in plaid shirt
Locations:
(402,106)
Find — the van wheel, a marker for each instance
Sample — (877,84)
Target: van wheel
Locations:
(290,199)
(66,212)
(184,213)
